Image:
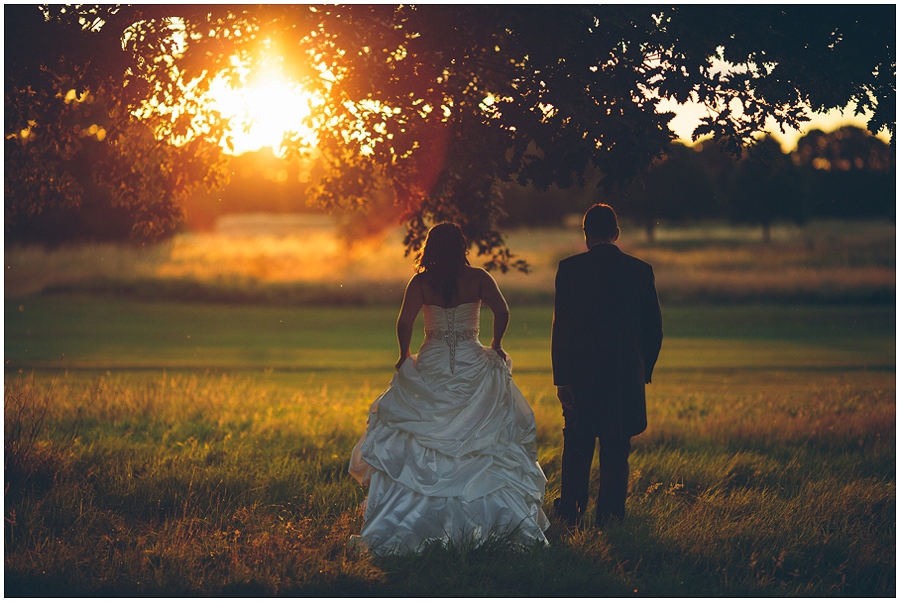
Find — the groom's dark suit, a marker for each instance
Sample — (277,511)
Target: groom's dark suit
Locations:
(607,333)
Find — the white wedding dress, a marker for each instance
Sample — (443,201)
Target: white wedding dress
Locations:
(449,452)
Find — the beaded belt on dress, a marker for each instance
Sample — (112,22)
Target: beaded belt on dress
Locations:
(452,337)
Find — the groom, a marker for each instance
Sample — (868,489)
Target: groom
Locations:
(607,333)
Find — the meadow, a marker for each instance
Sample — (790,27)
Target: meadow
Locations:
(158,445)
(299,259)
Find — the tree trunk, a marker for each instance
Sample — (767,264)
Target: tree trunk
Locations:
(651,231)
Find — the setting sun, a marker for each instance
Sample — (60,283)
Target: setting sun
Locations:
(263,109)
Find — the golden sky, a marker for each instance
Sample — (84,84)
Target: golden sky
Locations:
(688,116)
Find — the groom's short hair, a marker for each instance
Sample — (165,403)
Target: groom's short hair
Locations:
(600,221)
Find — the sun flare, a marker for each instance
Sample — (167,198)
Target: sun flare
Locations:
(263,109)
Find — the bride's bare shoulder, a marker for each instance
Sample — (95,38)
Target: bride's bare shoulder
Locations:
(474,273)
(415,283)
(479,275)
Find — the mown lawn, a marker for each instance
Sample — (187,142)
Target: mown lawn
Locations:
(181,449)
(110,333)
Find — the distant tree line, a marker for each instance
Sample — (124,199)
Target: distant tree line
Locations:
(844,174)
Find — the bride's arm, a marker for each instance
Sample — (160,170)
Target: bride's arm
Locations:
(412,303)
(493,298)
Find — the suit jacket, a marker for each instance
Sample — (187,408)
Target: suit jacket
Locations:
(607,333)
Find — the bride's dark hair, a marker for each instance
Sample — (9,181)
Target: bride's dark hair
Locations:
(442,258)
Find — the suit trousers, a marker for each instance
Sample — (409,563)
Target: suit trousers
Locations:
(579,436)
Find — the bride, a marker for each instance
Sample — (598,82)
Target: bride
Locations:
(449,452)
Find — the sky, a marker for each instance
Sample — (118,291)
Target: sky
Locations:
(687,117)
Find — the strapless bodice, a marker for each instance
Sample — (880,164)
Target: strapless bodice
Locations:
(451,325)
(462,318)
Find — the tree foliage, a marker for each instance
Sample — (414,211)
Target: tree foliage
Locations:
(70,95)
(680,186)
(439,105)
(765,189)
(847,174)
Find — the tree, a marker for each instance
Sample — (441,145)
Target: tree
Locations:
(525,206)
(850,173)
(70,97)
(678,187)
(441,105)
(766,188)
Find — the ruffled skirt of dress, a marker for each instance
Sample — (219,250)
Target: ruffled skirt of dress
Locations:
(450,456)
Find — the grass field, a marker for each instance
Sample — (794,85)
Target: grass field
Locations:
(160,448)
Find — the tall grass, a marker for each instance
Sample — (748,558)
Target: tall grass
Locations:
(228,484)
(32,451)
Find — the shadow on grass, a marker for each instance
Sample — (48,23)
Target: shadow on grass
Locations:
(485,571)
(626,560)
(498,568)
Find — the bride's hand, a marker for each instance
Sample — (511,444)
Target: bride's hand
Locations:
(501,353)
(400,363)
